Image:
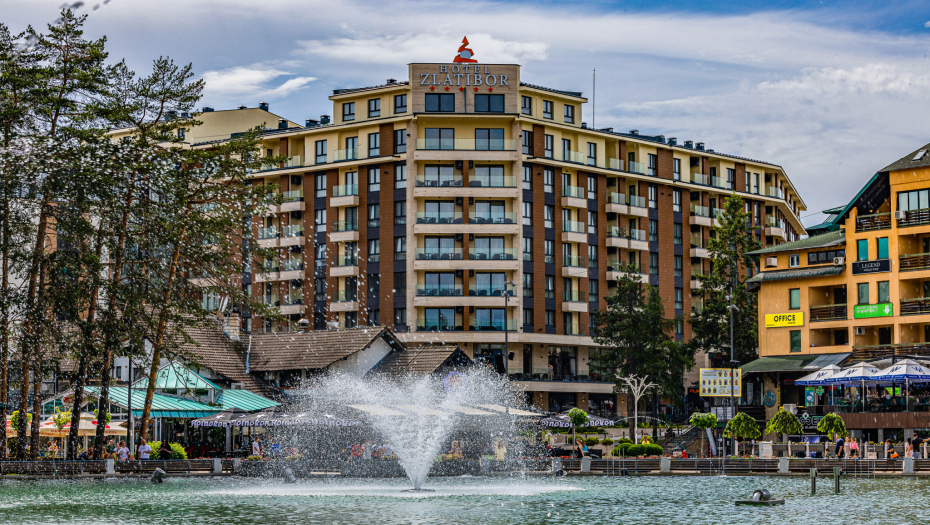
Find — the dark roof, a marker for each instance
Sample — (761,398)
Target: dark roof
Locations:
(833,238)
(869,197)
(316,349)
(559,91)
(796,273)
(794,363)
(919,158)
(420,360)
(214,350)
(369,88)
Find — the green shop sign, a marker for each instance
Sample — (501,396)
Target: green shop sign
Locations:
(863,311)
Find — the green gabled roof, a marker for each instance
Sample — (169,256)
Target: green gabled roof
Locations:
(838,214)
(838,209)
(818,241)
(791,363)
(244,400)
(796,273)
(176,376)
(162,406)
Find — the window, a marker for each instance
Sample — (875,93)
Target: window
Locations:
(441,103)
(319,254)
(548,176)
(374,251)
(547,109)
(374,215)
(569,114)
(489,139)
(400,316)
(731,179)
(527,321)
(550,287)
(884,293)
(527,285)
(592,256)
(567,151)
(592,154)
(794,261)
(863,289)
(680,327)
(400,212)
(374,107)
(527,213)
(882,247)
(676,201)
(320,185)
(400,284)
(592,221)
(592,291)
(676,169)
(862,250)
(489,103)
(748,182)
(549,249)
(527,143)
(400,103)
(913,200)
(320,219)
(400,176)
(653,230)
(528,178)
(400,248)
(374,178)
(348,111)
(653,263)
(550,318)
(653,197)
(527,248)
(592,187)
(526,105)
(652,164)
(794,298)
(756,182)
(548,146)
(677,231)
(795,340)
(351,148)
(400,140)
(374,317)
(547,220)
(679,301)
(320,147)
(678,266)
(374,144)
(319,289)
(439,138)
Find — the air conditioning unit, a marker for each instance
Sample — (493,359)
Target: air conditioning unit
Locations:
(860,330)
(837,261)
(771,262)
(899,214)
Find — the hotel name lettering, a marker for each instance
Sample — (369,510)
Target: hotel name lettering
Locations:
(464,75)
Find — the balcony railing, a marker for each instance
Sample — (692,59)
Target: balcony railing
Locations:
(437,254)
(773,222)
(636,235)
(506,254)
(772,191)
(573,296)
(346,260)
(293,196)
(719,182)
(637,201)
(915,218)
(700,211)
(292,230)
(468,144)
(293,298)
(343,296)
(489,290)
(268,267)
(493,326)
(613,265)
(697,241)
(575,261)
(636,167)
(616,198)
(573,156)
(574,226)
(268,233)
(439,181)
(270,300)
(346,190)
(914,262)
(345,226)
(573,329)
(492,181)
(699,178)
(437,217)
(861,353)
(434,325)
(493,218)
(345,154)
(616,231)
(574,191)
(828,312)
(877,221)
(918,306)
(439,290)
(614,164)
(290,265)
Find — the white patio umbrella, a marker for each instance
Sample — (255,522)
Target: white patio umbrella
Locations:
(858,373)
(819,377)
(906,371)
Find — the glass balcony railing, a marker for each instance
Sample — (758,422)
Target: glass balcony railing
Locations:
(636,167)
(637,201)
(493,218)
(292,230)
(616,198)
(271,300)
(573,156)
(718,182)
(613,265)
(479,325)
(576,261)
(573,296)
(268,267)
(573,329)
(774,222)
(439,290)
(492,181)
(294,161)
(574,226)
(346,260)
(345,154)
(436,217)
(436,254)
(343,296)
(506,254)
(293,298)
(468,144)
(574,191)
(345,226)
(434,325)
(268,233)
(488,290)
(699,178)
(696,273)
(439,181)
(614,164)
(293,196)
(700,211)
(637,235)
(290,265)
(616,231)
(346,190)
(697,241)
(772,191)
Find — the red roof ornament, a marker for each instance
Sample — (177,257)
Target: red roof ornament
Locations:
(464,54)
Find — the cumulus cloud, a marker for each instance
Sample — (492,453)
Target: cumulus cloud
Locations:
(250,81)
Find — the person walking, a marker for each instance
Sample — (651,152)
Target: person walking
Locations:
(915,445)
(256,447)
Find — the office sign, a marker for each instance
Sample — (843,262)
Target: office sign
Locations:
(866,267)
(715,382)
(789,319)
(865,311)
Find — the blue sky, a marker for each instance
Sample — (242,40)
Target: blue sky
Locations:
(832,91)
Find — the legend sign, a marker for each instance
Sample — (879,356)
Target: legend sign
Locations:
(715,382)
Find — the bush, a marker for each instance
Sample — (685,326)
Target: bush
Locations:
(653,450)
(624,440)
(177,451)
(607,442)
(591,441)
(622,449)
(636,450)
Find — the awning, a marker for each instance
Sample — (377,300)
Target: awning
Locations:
(513,411)
(798,273)
(794,363)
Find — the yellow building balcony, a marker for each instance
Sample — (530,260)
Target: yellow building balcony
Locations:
(574,197)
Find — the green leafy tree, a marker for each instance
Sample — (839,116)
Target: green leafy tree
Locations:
(16,421)
(703,421)
(728,269)
(579,418)
(783,423)
(832,425)
(742,426)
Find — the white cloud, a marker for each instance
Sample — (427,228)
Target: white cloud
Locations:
(250,81)
(927,24)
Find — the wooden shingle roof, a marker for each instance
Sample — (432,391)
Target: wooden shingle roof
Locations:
(316,349)
(419,360)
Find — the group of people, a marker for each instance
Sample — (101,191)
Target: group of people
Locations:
(367,450)
(911,448)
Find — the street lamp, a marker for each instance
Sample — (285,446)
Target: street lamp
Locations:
(506,355)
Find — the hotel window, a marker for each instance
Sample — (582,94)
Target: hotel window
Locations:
(374,179)
(550,287)
(526,105)
(400,316)
(320,220)
(400,213)
(548,249)
(351,319)
(320,185)
(677,230)
(548,175)
(528,322)
(550,318)
(592,154)
(567,150)
(748,182)
(592,291)
(374,144)
(676,169)
(400,176)
(592,256)
(374,107)
(374,215)
(653,197)
(795,341)
(527,142)
(569,114)
(592,187)
(400,284)
(527,248)
(348,111)
(440,103)
(351,148)
(489,103)
(374,250)
(400,103)
(400,141)
(882,247)
(884,292)
(863,289)
(678,266)
(755,177)
(913,200)
(489,139)
(652,163)
(319,289)
(676,201)
(794,261)
(592,221)
(527,285)
(439,138)
(679,302)
(653,230)
(320,147)
(548,146)
(862,250)
(653,263)
(527,178)
(547,220)
(731,179)
(319,254)
(633,258)
(374,317)
(527,213)
(794,298)
(400,248)
(547,109)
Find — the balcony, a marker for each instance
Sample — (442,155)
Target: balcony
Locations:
(876,221)
(498,181)
(293,201)
(700,178)
(614,273)
(345,195)
(341,155)
(574,266)
(493,218)
(697,247)
(772,191)
(487,291)
(502,254)
(573,329)
(439,290)
(775,227)
(574,301)
(270,300)
(915,218)
(435,217)
(862,353)
(439,181)
(439,325)
(345,226)
(467,144)
(703,216)
(574,231)
(914,262)
(828,312)
(344,266)
(719,182)
(493,326)
(344,301)
(696,274)
(636,167)
(439,254)
(918,306)
(574,197)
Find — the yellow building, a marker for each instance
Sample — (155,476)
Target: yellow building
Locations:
(856,290)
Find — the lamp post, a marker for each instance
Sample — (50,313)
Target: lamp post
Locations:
(733,362)
(506,355)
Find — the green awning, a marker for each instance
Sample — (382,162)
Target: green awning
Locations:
(817,241)
(244,400)
(176,376)
(162,406)
(797,273)
(794,363)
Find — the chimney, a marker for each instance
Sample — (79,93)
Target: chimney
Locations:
(672,141)
(282,123)
(263,105)
(584,125)
(324,119)
(661,138)
(309,123)
(207,109)
(241,107)
(391,81)
(700,146)
(689,144)
(634,132)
